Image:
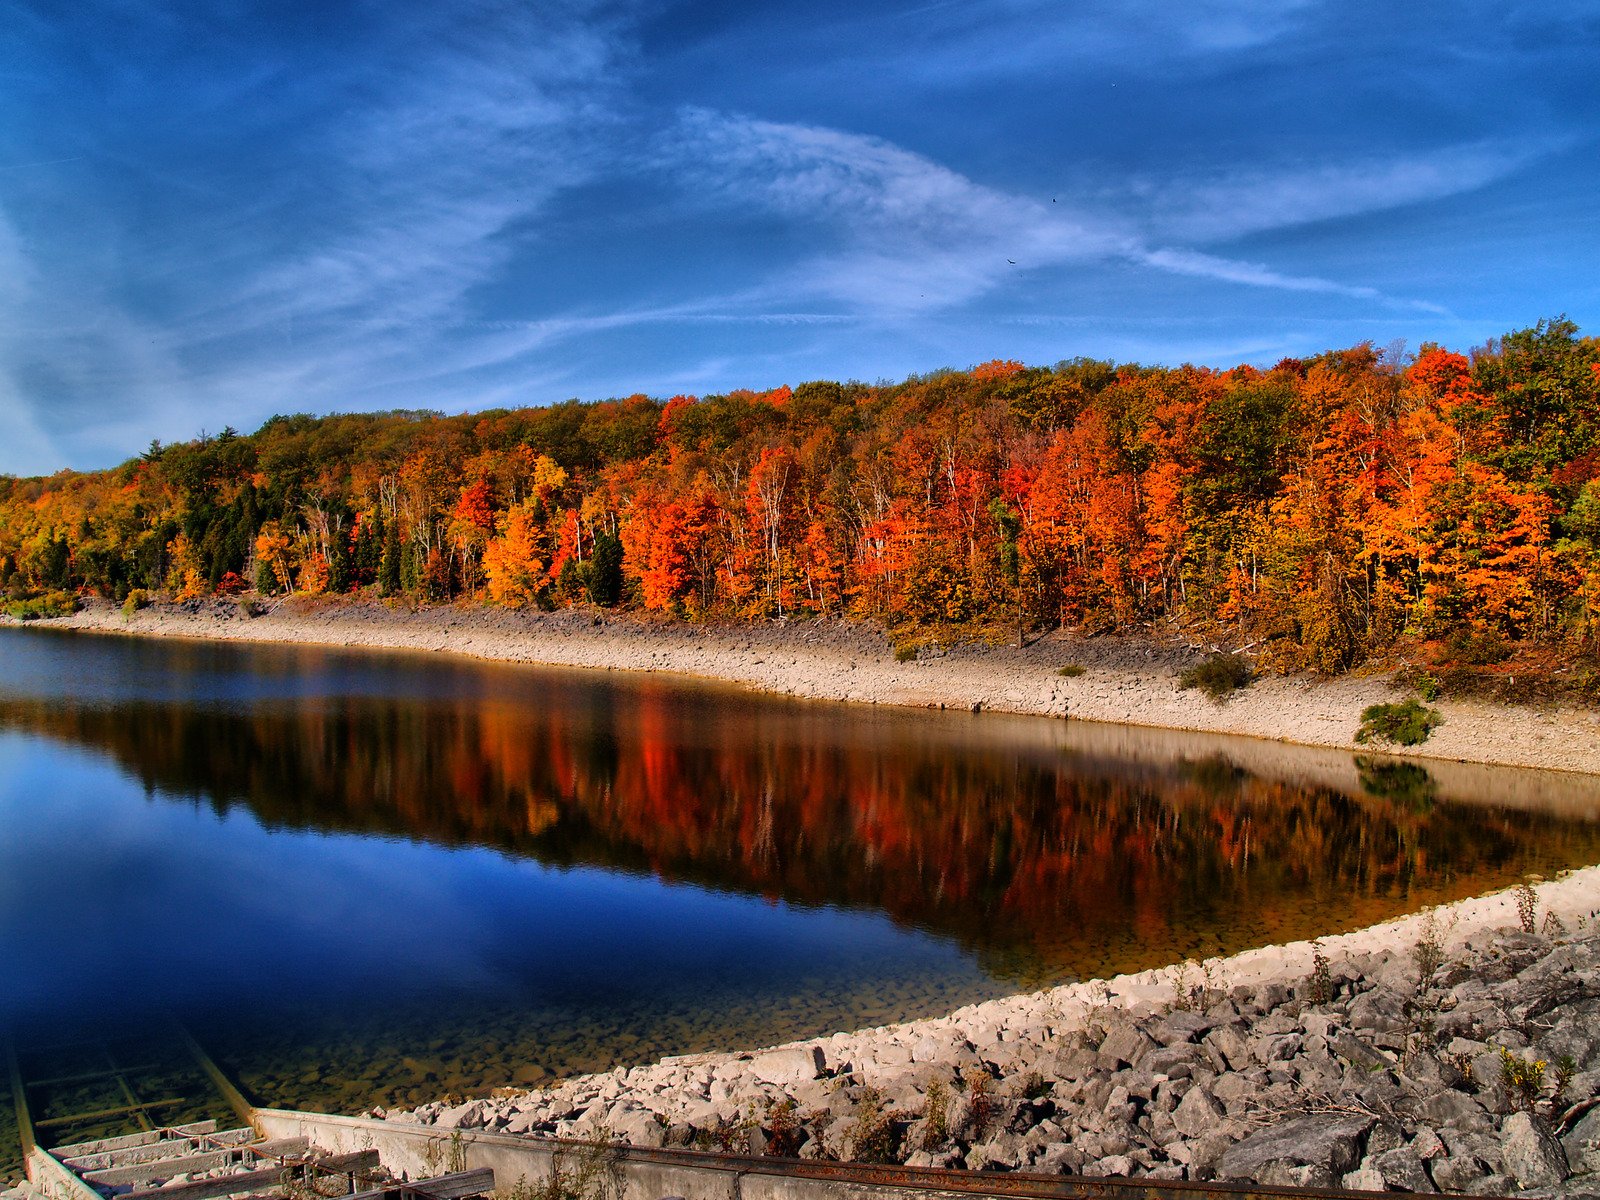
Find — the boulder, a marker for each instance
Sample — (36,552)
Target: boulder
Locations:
(1197,1113)
(1331,1144)
(1454,1174)
(784,1068)
(1227,1048)
(463,1116)
(1127,1045)
(1581,1143)
(1401,1171)
(1532,1156)
(1179,1027)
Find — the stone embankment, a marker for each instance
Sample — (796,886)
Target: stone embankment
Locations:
(1455,1051)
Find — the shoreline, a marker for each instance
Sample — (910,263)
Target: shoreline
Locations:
(1393,1078)
(1130,682)
(1252,1033)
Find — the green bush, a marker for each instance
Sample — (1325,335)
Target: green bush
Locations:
(1405,724)
(51,604)
(1071,671)
(905,652)
(1218,676)
(138,598)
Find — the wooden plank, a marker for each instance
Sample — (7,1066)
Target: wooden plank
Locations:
(91,1076)
(246,1181)
(139,1113)
(204,1160)
(231,1094)
(101,1113)
(49,1176)
(162,1148)
(19,1095)
(99,1145)
(460,1185)
(130,1156)
(445,1187)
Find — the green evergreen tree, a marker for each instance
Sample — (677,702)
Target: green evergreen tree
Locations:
(605,575)
(389,569)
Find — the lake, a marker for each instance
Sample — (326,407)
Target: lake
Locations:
(375,877)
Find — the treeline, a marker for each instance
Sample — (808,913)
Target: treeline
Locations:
(1323,510)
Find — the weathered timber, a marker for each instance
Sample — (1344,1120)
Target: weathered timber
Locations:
(150,1151)
(204,1160)
(19,1095)
(218,1077)
(446,1187)
(249,1181)
(101,1113)
(122,1142)
(91,1076)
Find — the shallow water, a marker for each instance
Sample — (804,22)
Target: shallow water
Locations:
(368,877)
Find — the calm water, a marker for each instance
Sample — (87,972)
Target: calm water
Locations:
(368,877)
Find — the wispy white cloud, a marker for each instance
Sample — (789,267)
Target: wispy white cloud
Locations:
(1217,206)
(949,41)
(431,183)
(344,273)
(909,234)
(21,434)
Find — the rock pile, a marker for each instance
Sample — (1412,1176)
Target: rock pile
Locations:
(1391,1071)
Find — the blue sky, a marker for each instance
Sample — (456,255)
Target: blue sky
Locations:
(213,212)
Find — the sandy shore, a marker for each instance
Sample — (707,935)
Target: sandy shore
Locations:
(1126,681)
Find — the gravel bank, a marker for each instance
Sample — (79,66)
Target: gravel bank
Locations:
(1129,681)
(1404,1062)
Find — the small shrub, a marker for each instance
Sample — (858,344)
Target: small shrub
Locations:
(783,1129)
(1429,687)
(905,652)
(1071,671)
(1187,995)
(870,1137)
(1527,907)
(1566,1068)
(138,598)
(730,1135)
(1428,953)
(820,1120)
(1523,1080)
(980,1104)
(1319,987)
(1218,676)
(1405,724)
(936,1118)
(1479,647)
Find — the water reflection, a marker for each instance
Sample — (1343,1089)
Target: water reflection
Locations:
(462,870)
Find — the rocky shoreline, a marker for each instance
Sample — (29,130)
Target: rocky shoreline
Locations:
(1126,681)
(1455,1051)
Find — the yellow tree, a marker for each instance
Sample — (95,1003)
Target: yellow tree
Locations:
(514,561)
(183,575)
(273,554)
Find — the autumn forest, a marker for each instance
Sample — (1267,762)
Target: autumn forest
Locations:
(1326,511)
